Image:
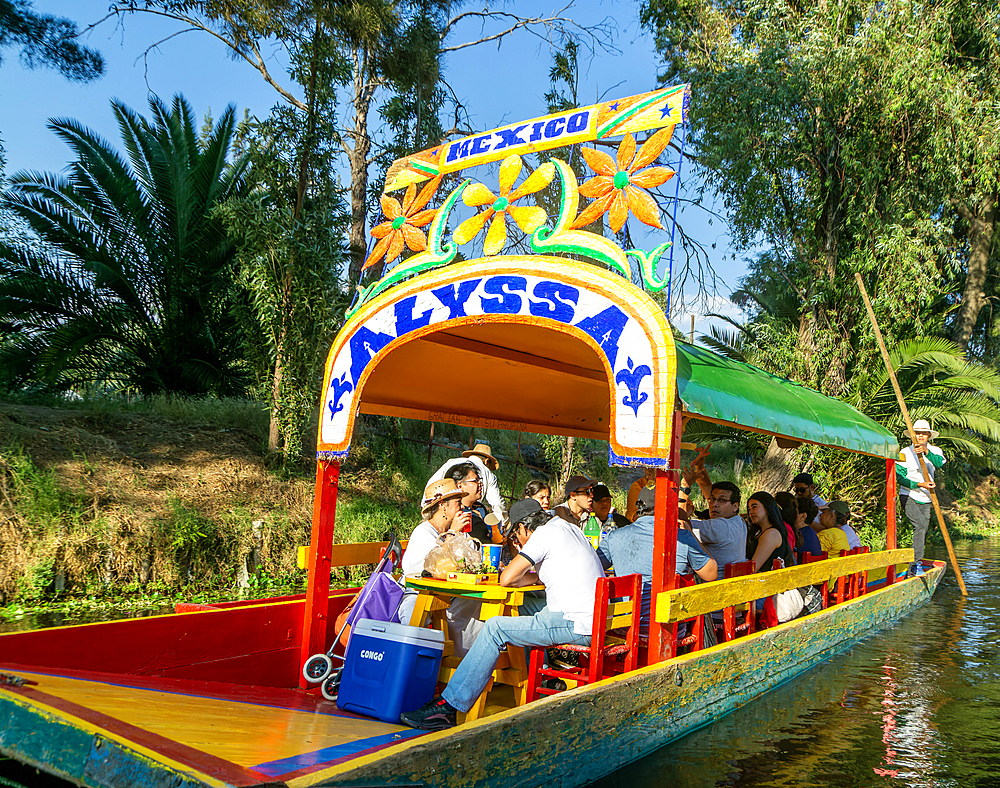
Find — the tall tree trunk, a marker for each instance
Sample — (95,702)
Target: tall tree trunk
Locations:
(274,437)
(775,472)
(982,224)
(364,88)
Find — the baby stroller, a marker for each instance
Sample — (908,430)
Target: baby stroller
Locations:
(378,600)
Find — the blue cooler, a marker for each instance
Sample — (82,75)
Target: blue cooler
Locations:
(389,669)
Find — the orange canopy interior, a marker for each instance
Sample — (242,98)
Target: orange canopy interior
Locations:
(497,375)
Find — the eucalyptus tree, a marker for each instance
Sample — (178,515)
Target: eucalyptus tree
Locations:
(131,289)
(47,40)
(801,128)
(391,52)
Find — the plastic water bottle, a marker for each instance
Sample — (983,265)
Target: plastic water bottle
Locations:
(592,530)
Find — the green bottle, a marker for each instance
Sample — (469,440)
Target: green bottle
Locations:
(592,530)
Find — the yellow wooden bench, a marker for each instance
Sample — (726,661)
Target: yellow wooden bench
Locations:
(349,554)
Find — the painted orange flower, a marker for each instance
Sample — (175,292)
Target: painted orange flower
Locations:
(527,218)
(618,186)
(402,222)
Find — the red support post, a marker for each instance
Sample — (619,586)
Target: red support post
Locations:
(890,515)
(314,624)
(662,638)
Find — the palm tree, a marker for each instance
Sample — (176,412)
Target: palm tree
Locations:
(131,289)
(959,397)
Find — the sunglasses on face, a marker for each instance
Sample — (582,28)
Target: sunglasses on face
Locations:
(800,490)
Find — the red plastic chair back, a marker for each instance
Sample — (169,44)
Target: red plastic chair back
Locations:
(599,659)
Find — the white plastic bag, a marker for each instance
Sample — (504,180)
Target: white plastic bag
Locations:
(454,552)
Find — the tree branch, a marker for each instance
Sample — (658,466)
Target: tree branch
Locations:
(257,62)
(599,33)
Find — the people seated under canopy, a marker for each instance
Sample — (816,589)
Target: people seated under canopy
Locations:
(579,501)
(807,541)
(724,533)
(831,536)
(768,535)
(470,517)
(629,549)
(558,554)
(604,509)
(540,491)
(804,487)
(485,463)
(789,508)
(440,506)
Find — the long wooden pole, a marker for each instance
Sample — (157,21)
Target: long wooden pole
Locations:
(911,433)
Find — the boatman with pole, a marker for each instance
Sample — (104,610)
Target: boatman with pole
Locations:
(914,492)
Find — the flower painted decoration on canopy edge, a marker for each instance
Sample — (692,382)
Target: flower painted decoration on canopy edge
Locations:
(528,218)
(619,185)
(402,222)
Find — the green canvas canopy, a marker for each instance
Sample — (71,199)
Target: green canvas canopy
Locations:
(725,391)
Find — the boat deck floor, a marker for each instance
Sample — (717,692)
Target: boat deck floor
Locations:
(232,734)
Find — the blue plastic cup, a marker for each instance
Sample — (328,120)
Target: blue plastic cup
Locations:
(491,555)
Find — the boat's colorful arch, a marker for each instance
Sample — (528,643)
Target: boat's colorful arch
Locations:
(525,343)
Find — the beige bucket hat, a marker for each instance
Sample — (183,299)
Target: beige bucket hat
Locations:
(441,490)
(482,450)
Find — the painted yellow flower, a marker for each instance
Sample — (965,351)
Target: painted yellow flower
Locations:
(527,218)
(402,222)
(618,186)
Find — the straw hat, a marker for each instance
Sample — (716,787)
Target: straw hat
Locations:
(441,490)
(482,450)
(922,425)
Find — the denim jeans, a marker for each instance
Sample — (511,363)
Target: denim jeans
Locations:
(544,628)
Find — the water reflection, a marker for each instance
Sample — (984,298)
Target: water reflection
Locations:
(915,705)
(58,618)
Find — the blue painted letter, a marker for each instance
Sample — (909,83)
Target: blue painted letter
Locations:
(405,320)
(509,303)
(455,301)
(606,328)
(559,301)
(364,344)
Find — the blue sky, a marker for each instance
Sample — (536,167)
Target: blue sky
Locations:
(496,85)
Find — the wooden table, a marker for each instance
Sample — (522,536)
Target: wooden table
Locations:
(434,598)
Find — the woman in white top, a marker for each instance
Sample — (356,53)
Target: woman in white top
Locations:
(441,504)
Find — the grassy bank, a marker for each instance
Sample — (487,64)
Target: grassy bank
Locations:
(136,505)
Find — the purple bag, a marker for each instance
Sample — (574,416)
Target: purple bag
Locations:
(379,600)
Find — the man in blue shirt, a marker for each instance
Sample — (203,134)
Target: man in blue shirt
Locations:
(629,550)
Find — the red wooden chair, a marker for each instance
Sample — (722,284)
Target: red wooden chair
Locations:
(808,558)
(730,629)
(695,639)
(603,657)
(855,585)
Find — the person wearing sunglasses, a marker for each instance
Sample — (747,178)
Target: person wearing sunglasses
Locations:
(805,489)
(470,518)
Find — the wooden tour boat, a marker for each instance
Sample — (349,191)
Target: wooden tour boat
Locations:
(555,340)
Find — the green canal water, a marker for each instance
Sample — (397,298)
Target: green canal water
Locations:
(914,705)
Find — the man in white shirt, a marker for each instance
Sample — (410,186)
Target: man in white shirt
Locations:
(914,492)
(853,540)
(486,463)
(566,563)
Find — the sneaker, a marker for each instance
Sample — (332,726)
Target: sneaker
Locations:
(434,716)
(553,684)
(912,570)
